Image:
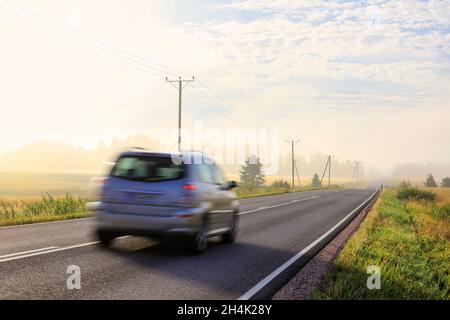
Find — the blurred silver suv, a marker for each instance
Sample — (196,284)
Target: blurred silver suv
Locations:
(162,194)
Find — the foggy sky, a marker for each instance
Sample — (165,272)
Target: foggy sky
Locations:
(360,80)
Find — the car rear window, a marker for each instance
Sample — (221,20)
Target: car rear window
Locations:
(148,169)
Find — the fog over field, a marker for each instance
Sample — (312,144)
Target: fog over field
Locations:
(362,81)
(54,157)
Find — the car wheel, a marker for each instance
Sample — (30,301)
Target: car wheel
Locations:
(105,238)
(230,236)
(200,240)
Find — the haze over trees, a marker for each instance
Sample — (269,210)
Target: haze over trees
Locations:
(405,184)
(430,182)
(315,182)
(251,173)
(57,157)
(416,171)
(51,156)
(445,182)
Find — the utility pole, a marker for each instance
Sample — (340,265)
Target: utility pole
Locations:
(327,165)
(329,172)
(356,171)
(292,142)
(298,175)
(180,90)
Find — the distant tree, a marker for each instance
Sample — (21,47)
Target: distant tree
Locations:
(280,184)
(315,182)
(445,182)
(430,182)
(251,173)
(405,184)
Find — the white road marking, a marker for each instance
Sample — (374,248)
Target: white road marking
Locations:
(44,223)
(250,293)
(48,251)
(278,205)
(38,252)
(25,252)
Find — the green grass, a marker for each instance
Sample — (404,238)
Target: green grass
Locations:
(47,208)
(413,193)
(408,240)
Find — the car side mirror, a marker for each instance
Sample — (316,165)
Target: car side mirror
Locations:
(232,184)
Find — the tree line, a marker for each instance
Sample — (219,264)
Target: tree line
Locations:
(430,182)
(252,175)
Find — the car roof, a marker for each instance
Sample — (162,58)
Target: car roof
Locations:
(146,152)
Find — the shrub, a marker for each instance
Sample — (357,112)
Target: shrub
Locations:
(445,182)
(415,194)
(405,184)
(430,182)
(315,182)
(443,212)
(280,184)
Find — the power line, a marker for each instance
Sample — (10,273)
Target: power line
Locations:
(99,44)
(84,49)
(96,42)
(223,110)
(241,119)
(220,110)
(230,106)
(156,68)
(234,111)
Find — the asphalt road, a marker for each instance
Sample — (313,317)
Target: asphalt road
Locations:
(34,258)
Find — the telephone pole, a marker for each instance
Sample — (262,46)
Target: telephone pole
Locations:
(329,172)
(292,142)
(298,175)
(356,171)
(182,83)
(327,165)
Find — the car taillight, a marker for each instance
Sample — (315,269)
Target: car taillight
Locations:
(187,196)
(189,186)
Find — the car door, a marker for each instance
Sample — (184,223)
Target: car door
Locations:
(209,193)
(224,198)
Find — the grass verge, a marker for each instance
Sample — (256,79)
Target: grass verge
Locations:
(408,240)
(54,208)
(47,208)
(245,192)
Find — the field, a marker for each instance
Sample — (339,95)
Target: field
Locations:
(33,185)
(408,240)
